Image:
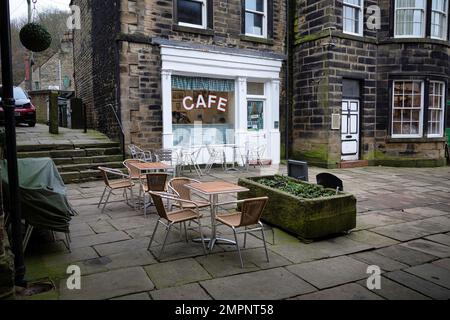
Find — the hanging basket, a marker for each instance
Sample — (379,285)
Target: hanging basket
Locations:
(35,38)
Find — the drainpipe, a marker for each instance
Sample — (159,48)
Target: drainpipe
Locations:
(288,98)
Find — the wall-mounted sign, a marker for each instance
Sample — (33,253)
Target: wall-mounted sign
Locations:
(212,101)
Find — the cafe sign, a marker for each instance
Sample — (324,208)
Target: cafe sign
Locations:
(211,101)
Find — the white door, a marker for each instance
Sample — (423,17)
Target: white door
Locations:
(350,130)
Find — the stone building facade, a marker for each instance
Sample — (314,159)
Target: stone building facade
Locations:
(377,95)
(154,55)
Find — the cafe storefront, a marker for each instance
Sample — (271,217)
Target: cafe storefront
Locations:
(217,98)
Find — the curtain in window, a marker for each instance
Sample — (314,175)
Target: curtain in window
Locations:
(409,17)
(439,18)
(197,83)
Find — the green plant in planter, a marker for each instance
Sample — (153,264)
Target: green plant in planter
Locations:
(303,190)
(35,38)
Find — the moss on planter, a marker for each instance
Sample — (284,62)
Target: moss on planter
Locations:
(308,219)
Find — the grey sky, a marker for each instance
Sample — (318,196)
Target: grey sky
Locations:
(18,8)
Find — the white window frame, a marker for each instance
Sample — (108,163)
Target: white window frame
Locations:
(424,22)
(445,27)
(264,22)
(361,18)
(204,16)
(422,99)
(441,109)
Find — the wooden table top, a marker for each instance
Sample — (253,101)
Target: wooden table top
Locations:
(144,166)
(216,187)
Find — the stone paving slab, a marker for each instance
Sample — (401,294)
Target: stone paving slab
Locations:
(109,284)
(406,255)
(391,290)
(372,220)
(432,273)
(330,272)
(227,263)
(385,263)
(443,263)
(92,240)
(350,291)
(134,297)
(273,284)
(187,292)
(122,246)
(371,239)
(420,285)
(429,247)
(176,273)
(415,229)
(426,212)
(440,238)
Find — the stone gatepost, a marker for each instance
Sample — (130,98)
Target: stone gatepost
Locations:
(53,112)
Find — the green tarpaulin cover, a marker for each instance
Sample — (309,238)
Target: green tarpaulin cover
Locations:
(42,194)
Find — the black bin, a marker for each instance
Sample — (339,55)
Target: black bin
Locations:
(298,169)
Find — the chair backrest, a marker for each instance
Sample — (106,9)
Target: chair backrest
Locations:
(134,173)
(328,180)
(157,181)
(252,210)
(105,170)
(159,204)
(104,175)
(164,155)
(179,186)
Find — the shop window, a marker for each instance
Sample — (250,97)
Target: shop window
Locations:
(410,18)
(202,111)
(192,13)
(436,109)
(407,112)
(439,17)
(353,17)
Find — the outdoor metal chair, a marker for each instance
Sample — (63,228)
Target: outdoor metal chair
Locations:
(123,183)
(168,219)
(154,182)
(169,157)
(216,155)
(178,187)
(135,174)
(138,153)
(328,180)
(188,157)
(251,211)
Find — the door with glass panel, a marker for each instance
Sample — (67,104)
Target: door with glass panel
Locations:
(256,145)
(350,130)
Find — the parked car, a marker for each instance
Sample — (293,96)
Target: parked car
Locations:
(25,112)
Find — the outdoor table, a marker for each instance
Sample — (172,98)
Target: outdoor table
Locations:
(213,189)
(233,162)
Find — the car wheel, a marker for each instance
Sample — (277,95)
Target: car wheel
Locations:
(32,124)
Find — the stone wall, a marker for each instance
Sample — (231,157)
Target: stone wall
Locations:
(140,65)
(323,56)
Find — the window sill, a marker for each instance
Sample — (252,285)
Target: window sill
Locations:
(206,32)
(415,40)
(415,140)
(256,39)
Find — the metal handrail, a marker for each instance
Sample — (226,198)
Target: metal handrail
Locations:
(117,117)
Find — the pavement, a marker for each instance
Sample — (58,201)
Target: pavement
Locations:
(403,227)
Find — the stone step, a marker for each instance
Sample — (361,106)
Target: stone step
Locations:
(85,160)
(82,176)
(353,164)
(88,166)
(71,153)
(66,146)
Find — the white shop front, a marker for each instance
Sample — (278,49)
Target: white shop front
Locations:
(218,98)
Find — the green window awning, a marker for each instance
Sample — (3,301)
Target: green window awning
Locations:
(198,83)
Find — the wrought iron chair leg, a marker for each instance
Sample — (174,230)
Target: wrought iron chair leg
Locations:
(165,240)
(264,240)
(153,236)
(201,236)
(238,249)
(245,238)
(103,194)
(185,232)
(107,199)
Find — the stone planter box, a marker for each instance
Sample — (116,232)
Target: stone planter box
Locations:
(308,219)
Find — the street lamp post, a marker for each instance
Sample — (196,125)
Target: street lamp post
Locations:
(11,148)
